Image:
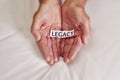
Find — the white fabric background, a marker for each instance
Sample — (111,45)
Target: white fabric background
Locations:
(20,58)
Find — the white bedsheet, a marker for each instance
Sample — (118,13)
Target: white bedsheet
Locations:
(20,58)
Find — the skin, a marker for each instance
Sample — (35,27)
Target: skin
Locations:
(50,16)
(47,17)
(74,17)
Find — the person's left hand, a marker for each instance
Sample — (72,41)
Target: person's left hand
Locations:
(74,18)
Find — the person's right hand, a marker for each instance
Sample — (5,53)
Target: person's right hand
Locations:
(47,17)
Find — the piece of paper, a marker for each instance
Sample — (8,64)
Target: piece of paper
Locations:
(61,34)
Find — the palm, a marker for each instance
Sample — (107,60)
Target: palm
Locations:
(72,20)
(45,20)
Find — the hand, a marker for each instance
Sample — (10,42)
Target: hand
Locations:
(47,17)
(74,18)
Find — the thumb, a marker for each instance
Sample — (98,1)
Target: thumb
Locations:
(35,30)
(36,34)
(85,33)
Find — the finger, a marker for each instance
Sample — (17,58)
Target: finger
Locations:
(62,43)
(49,43)
(77,44)
(54,49)
(68,45)
(35,27)
(58,47)
(85,32)
(46,52)
(37,35)
(35,30)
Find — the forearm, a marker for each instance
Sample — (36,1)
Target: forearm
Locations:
(49,1)
(76,2)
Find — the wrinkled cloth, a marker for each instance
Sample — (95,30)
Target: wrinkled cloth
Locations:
(20,58)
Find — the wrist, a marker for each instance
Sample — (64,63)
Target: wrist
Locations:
(80,3)
(49,2)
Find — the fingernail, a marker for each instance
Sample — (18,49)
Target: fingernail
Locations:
(51,62)
(67,60)
(56,59)
(37,38)
(86,41)
(48,59)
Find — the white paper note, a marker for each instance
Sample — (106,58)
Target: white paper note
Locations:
(61,34)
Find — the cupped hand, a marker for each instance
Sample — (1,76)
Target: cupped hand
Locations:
(47,17)
(74,18)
